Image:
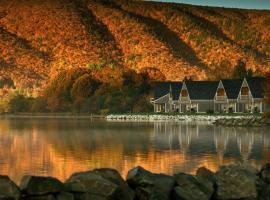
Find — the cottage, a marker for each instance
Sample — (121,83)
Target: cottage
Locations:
(166,97)
(197,96)
(227,95)
(250,98)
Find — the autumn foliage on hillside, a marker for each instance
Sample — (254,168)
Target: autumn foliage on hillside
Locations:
(42,38)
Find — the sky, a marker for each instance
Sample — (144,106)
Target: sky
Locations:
(250,4)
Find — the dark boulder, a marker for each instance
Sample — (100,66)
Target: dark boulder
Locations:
(263,190)
(150,193)
(236,182)
(91,185)
(149,186)
(206,173)
(192,188)
(64,196)
(265,173)
(164,184)
(8,189)
(139,177)
(37,185)
(123,190)
(47,197)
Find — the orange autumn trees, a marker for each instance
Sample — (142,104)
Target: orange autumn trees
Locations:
(40,38)
(81,91)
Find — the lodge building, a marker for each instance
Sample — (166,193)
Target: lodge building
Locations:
(228,96)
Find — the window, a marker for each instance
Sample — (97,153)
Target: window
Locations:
(184,93)
(244,91)
(220,92)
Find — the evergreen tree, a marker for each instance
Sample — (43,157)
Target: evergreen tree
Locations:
(240,71)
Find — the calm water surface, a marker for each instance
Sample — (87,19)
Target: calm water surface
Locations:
(59,147)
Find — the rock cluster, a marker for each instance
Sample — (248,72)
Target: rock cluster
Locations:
(232,182)
(254,121)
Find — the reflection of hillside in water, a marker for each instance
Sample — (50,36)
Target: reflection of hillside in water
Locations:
(61,147)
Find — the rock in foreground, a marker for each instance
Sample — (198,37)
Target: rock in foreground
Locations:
(232,182)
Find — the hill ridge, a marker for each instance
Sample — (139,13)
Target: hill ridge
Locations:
(39,38)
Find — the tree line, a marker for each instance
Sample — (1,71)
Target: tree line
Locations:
(101,91)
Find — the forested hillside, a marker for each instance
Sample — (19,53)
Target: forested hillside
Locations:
(40,38)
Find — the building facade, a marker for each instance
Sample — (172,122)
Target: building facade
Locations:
(224,96)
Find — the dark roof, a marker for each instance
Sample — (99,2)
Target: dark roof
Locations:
(202,90)
(255,86)
(176,89)
(163,88)
(232,87)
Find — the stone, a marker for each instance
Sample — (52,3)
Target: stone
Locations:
(139,177)
(47,197)
(164,184)
(206,173)
(8,189)
(123,190)
(236,182)
(149,193)
(263,190)
(265,173)
(92,185)
(37,185)
(65,196)
(89,196)
(192,188)
(149,186)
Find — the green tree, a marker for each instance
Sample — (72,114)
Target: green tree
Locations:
(58,91)
(19,103)
(84,87)
(38,104)
(240,71)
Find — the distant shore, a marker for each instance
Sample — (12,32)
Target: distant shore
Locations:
(52,115)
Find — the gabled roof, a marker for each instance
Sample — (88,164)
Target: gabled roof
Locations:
(202,90)
(163,88)
(163,99)
(176,89)
(255,86)
(232,87)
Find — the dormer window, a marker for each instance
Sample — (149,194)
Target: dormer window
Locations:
(184,93)
(220,92)
(244,91)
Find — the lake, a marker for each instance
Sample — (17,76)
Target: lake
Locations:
(60,147)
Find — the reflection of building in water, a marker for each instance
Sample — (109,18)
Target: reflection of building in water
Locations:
(59,148)
(223,142)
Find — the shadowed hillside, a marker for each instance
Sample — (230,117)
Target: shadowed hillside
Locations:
(39,38)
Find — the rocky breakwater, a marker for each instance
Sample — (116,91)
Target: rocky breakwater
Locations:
(243,122)
(232,182)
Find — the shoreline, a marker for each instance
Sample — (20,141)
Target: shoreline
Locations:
(234,181)
(51,116)
(134,117)
(174,118)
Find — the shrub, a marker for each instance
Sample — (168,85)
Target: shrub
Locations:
(210,112)
(18,103)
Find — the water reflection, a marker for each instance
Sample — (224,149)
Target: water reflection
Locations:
(61,147)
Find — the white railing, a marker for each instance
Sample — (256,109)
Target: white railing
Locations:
(244,97)
(184,99)
(221,98)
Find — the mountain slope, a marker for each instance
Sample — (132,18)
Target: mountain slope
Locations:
(39,38)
